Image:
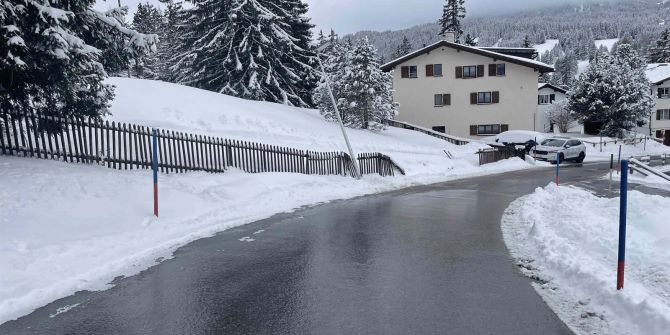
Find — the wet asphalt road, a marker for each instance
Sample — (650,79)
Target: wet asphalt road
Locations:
(427,260)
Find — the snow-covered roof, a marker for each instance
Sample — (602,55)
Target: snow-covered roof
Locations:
(553,87)
(541,67)
(658,72)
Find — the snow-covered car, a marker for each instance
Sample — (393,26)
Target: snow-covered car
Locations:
(520,139)
(564,148)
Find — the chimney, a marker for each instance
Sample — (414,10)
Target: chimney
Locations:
(449,36)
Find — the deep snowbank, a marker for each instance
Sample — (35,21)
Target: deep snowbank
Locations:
(567,238)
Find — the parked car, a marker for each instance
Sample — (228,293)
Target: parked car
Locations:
(564,147)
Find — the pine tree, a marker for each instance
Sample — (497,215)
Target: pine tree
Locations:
(470,41)
(363,91)
(321,39)
(527,43)
(660,52)
(403,49)
(252,49)
(169,40)
(566,71)
(51,57)
(147,20)
(614,91)
(452,15)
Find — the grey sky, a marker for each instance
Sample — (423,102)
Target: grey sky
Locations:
(347,16)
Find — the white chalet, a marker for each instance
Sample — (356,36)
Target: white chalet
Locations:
(468,91)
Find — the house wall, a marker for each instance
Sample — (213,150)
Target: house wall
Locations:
(518,94)
(661,103)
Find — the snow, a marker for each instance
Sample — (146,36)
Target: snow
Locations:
(573,257)
(516,136)
(68,227)
(608,43)
(548,45)
(627,150)
(658,72)
(582,66)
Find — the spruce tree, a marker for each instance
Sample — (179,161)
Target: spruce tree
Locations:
(527,43)
(660,51)
(252,49)
(470,41)
(169,44)
(566,71)
(614,91)
(147,20)
(452,15)
(51,57)
(363,91)
(403,49)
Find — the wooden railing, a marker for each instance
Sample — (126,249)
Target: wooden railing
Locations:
(127,146)
(444,137)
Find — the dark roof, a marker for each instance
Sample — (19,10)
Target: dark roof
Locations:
(553,87)
(541,67)
(529,53)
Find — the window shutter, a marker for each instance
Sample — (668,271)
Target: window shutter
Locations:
(660,92)
(552,98)
(495,97)
(480,70)
(658,115)
(429,70)
(492,70)
(539,99)
(446,98)
(473,130)
(459,72)
(504,128)
(404,72)
(473,98)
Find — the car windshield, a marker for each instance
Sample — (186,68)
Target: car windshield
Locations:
(553,142)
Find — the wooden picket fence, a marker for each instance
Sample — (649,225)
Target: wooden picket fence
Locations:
(127,146)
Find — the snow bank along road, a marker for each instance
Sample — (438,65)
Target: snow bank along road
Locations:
(427,260)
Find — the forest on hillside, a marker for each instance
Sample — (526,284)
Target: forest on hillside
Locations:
(575,26)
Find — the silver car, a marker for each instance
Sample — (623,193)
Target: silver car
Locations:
(563,148)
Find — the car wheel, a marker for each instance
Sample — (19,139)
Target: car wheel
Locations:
(581,157)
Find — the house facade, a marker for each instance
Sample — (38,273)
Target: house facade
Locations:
(547,96)
(466,91)
(659,122)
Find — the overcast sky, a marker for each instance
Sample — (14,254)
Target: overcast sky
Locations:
(347,16)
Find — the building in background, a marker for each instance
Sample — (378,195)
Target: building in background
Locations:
(467,91)
(659,122)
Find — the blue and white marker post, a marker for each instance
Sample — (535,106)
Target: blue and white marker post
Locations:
(558,168)
(611,172)
(623,208)
(618,162)
(154,167)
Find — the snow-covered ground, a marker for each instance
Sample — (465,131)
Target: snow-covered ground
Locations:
(548,45)
(68,227)
(627,150)
(567,238)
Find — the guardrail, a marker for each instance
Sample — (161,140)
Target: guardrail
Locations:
(646,170)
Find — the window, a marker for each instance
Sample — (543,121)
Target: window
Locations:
(434,70)
(663,114)
(500,70)
(442,100)
(408,72)
(488,129)
(440,129)
(664,92)
(470,72)
(543,99)
(484,98)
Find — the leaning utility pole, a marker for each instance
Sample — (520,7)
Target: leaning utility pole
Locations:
(354,160)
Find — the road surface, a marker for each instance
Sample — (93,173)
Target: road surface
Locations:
(427,260)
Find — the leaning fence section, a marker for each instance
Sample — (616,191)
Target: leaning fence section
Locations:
(496,154)
(127,146)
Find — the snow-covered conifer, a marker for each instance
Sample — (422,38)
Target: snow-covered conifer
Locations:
(252,49)
(660,51)
(403,49)
(147,20)
(469,40)
(452,15)
(51,56)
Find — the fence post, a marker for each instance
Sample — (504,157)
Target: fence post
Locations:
(622,225)
(618,164)
(558,170)
(611,171)
(154,167)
